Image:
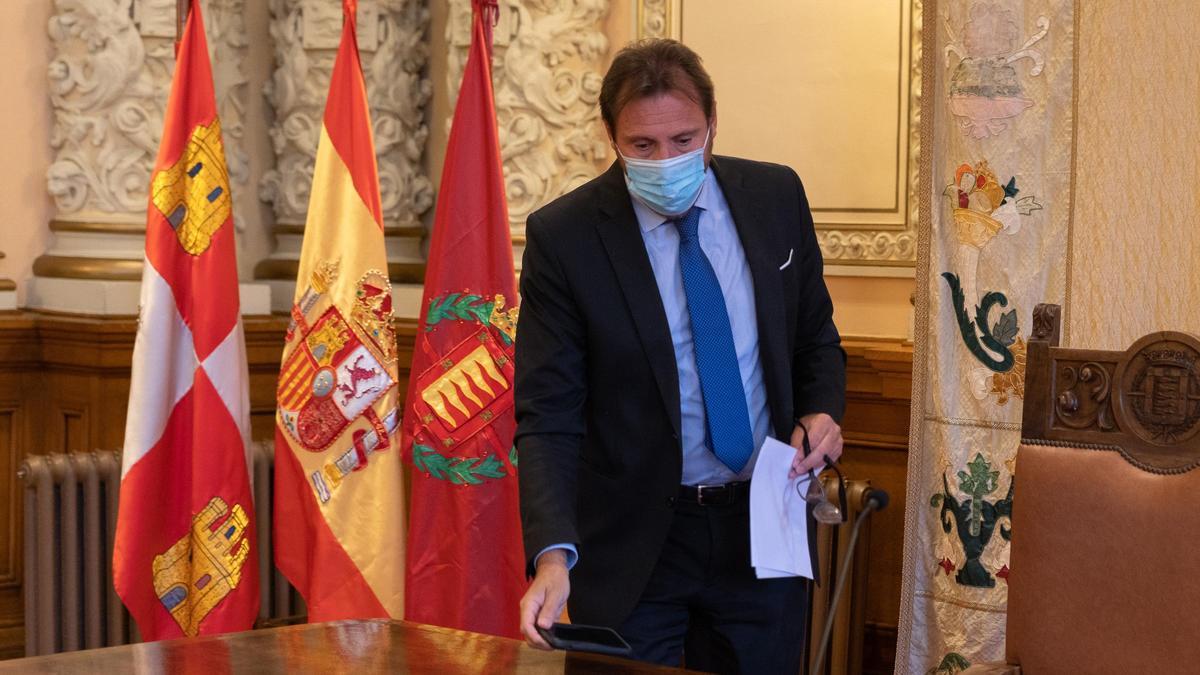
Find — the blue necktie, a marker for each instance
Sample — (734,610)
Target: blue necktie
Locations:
(716,358)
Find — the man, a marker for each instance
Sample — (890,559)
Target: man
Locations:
(673,316)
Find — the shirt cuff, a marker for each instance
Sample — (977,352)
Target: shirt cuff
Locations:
(569,549)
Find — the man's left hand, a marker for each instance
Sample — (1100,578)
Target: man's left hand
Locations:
(825,439)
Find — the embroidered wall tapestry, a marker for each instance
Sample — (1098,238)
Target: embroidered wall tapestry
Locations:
(995,199)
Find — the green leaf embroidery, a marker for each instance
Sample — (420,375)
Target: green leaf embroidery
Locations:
(1005,330)
(457,470)
(952,664)
(980,482)
(512,456)
(468,307)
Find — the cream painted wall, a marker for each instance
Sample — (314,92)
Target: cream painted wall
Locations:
(25,123)
(864,306)
(872,306)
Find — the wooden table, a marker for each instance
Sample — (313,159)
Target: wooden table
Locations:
(357,647)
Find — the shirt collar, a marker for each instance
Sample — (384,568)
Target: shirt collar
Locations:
(649,221)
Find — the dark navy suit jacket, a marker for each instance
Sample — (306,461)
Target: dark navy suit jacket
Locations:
(597,394)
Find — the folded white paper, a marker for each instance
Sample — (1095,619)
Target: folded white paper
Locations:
(778,516)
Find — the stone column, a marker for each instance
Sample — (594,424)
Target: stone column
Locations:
(546,71)
(108,82)
(394,51)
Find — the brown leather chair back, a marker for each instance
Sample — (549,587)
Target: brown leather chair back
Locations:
(1105,558)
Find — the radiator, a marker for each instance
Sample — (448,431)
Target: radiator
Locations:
(70,520)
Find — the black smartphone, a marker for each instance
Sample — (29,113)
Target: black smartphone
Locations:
(580,638)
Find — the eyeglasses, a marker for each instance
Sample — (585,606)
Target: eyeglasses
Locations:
(812,491)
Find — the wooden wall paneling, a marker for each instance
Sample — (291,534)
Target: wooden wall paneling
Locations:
(86,362)
(878,398)
(22,394)
(264,350)
(64,385)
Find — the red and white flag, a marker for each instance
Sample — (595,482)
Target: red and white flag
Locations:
(183,560)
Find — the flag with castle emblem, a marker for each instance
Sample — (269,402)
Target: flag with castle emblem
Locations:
(339,497)
(465,565)
(183,560)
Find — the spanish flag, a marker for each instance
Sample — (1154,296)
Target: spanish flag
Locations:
(183,559)
(339,515)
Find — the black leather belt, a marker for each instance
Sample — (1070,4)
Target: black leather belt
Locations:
(716,495)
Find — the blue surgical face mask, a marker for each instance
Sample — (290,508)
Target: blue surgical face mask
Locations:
(668,186)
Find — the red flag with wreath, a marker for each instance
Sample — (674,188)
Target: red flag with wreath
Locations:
(465,564)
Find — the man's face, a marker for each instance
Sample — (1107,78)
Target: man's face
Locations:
(662,126)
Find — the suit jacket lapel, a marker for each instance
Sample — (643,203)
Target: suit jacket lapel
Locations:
(618,229)
(758,241)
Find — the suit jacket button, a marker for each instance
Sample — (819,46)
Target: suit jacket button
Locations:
(671,501)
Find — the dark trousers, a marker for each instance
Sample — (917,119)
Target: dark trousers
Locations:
(704,603)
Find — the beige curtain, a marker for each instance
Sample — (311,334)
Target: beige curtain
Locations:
(1135,247)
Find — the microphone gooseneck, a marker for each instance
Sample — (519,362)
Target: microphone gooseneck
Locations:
(874,499)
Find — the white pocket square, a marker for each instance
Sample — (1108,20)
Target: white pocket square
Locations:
(784,266)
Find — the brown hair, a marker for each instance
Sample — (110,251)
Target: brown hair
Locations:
(654,66)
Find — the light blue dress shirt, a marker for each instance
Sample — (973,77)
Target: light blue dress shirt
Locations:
(720,242)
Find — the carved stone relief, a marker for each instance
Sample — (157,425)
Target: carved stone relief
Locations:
(107,86)
(225,28)
(653,19)
(108,83)
(394,51)
(546,73)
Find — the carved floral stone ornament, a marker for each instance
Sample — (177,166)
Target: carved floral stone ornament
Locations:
(108,82)
(394,51)
(547,59)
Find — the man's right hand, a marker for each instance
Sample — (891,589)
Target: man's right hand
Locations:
(543,603)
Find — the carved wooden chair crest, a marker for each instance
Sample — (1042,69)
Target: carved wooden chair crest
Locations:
(1105,558)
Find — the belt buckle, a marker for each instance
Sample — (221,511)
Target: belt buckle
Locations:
(701,489)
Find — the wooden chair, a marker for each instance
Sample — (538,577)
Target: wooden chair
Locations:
(1105,558)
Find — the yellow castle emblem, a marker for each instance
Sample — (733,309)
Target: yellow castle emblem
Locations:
(193,193)
(203,567)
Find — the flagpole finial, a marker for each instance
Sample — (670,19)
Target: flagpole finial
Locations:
(489,15)
(182,9)
(490,11)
